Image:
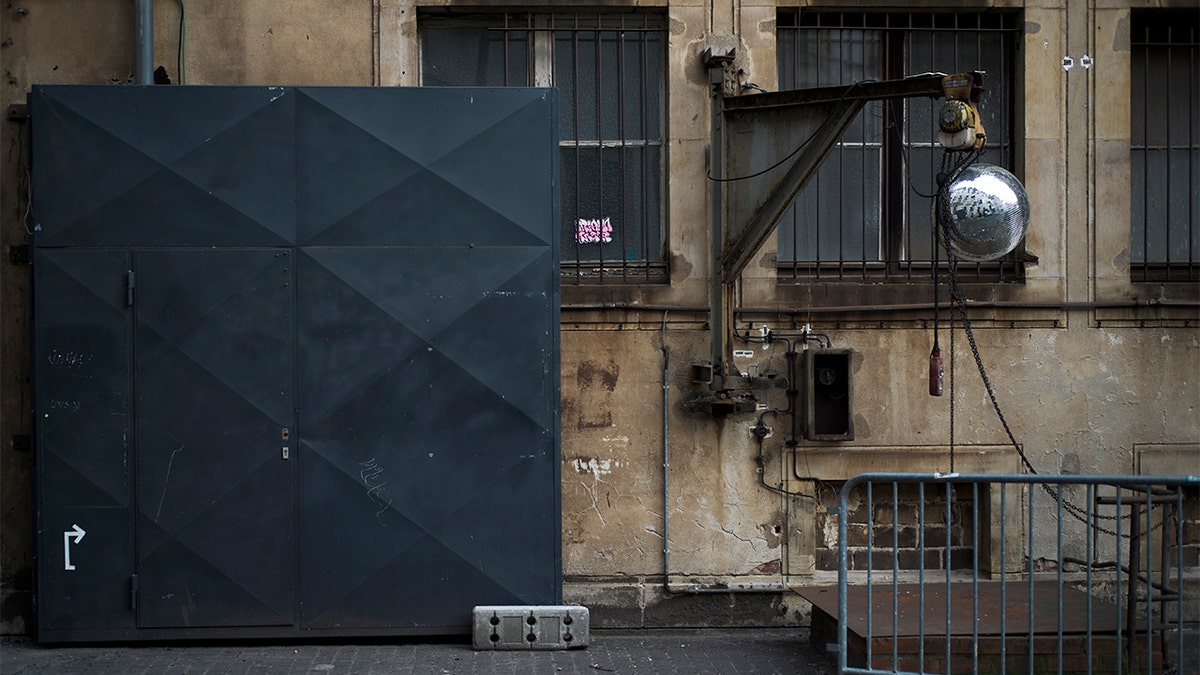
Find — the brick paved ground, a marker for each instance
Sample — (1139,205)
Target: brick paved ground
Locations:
(690,652)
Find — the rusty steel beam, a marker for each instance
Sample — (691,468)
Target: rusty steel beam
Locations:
(910,87)
(764,149)
(762,130)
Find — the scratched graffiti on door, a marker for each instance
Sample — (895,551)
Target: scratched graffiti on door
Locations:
(372,478)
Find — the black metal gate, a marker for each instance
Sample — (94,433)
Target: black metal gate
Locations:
(296,359)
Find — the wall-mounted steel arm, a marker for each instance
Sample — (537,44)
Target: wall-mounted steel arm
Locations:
(774,143)
(764,149)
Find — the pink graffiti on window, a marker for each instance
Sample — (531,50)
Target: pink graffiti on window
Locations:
(593,231)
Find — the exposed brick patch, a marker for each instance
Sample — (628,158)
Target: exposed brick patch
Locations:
(903,530)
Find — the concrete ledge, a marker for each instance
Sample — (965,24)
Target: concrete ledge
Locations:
(693,602)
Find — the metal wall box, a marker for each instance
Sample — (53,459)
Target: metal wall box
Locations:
(266,398)
(518,627)
(827,381)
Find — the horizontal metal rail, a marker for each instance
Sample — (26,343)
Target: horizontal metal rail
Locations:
(1033,604)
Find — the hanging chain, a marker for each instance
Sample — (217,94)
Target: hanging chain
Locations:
(958,304)
(952,400)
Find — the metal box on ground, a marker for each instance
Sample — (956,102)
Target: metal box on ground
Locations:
(531,627)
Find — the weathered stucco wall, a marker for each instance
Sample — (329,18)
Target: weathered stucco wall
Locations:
(1078,400)
(1083,381)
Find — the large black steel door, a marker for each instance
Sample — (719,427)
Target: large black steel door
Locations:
(296,359)
(214,415)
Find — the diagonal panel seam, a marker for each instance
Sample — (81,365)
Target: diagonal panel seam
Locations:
(401,320)
(457,320)
(551,138)
(250,470)
(355,479)
(285,613)
(201,319)
(390,189)
(133,148)
(384,191)
(138,421)
(379,372)
(425,166)
(166,169)
(120,305)
(220,130)
(419,526)
(178,535)
(161,163)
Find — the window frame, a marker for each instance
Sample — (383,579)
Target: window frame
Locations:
(899,193)
(1173,35)
(543,30)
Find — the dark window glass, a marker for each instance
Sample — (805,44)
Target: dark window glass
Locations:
(1165,146)
(608,68)
(862,216)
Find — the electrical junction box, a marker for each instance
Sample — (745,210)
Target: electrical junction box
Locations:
(827,385)
(531,627)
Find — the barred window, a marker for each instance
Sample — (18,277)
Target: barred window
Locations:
(1165,146)
(609,69)
(867,214)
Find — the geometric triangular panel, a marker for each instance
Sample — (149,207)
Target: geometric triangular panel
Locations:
(425,289)
(529,376)
(80,167)
(250,167)
(128,168)
(427,124)
(518,145)
(345,340)
(339,169)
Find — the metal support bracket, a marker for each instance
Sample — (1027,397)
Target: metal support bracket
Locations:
(764,148)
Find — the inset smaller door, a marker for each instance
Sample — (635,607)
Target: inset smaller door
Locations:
(214,386)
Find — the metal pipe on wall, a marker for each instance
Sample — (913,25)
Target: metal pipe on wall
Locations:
(666,457)
(143,35)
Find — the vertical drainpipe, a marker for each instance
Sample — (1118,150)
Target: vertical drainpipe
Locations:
(143,35)
(666,458)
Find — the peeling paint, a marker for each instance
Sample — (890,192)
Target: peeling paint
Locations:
(599,420)
(1121,35)
(596,467)
(681,267)
(589,373)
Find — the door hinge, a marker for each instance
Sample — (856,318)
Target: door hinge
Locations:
(18,254)
(18,112)
(133,592)
(130,282)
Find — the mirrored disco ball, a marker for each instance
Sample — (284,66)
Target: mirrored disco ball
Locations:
(989,213)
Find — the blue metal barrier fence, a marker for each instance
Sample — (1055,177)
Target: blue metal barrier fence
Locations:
(1010,573)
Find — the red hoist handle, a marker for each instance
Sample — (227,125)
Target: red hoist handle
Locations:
(937,372)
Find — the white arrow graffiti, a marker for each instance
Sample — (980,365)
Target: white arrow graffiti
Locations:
(76,532)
